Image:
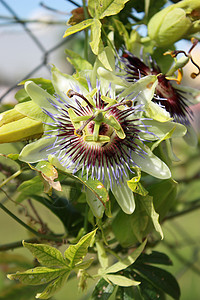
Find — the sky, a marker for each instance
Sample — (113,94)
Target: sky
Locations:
(24,8)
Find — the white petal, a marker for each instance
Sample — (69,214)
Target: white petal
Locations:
(39,96)
(55,161)
(151,164)
(124,197)
(191,95)
(160,129)
(191,136)
(36,151)
(144,88)
(63,83)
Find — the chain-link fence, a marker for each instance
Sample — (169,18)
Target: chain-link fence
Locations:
(31,40)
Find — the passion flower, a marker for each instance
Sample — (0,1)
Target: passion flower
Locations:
(95,133)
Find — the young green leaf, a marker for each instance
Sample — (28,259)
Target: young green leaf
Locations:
(29,187)
(78,27)
(38,275)
(102,257)
(121,280)
(129,260)
(101,9)
(95,186)
(77,61)
(53,287)
(96,206)
(147,203)
(76,253)
(46,255)
(95,36)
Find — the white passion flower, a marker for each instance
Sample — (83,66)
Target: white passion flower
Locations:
(94,132)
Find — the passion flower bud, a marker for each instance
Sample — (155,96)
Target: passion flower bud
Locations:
(15,126)
(174,22)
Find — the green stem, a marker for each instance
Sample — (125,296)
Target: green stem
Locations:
(20,221)
(86,218)
(10,178)
(181,213)
(86,30)
(59,237)
(18,244)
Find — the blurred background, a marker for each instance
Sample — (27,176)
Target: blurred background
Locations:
(30,41)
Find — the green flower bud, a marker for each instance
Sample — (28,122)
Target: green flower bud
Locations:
(175,22)
(15,126)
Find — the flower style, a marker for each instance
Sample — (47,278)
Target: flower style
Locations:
(89,129)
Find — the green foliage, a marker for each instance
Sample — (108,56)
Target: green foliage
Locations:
(58,268)
(134,191)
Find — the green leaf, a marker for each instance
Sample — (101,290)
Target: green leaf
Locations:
(38,275)
(102,256)
(22,96)
(125,293)
(160,278)
(46,255)
(136,186)
(135,225)
(49,173)
(129,260)
(121,280)
(85,264)
(96,206)
(147,289)
(76,253)
(30,187)
(53,287)
(95,36)
(164,196)
(122,32)
(94,185)
(155,258)
(147,203)
(77,61)
(104,57)
(101,9)
(103,290)
(78,27)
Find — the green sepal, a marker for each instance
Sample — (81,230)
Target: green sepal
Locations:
(10,116)
(22,129)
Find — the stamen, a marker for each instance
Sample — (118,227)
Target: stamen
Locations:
(72,93)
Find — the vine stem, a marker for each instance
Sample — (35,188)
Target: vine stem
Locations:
(86,31)
(181,213)
(38,234)
(10,178)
